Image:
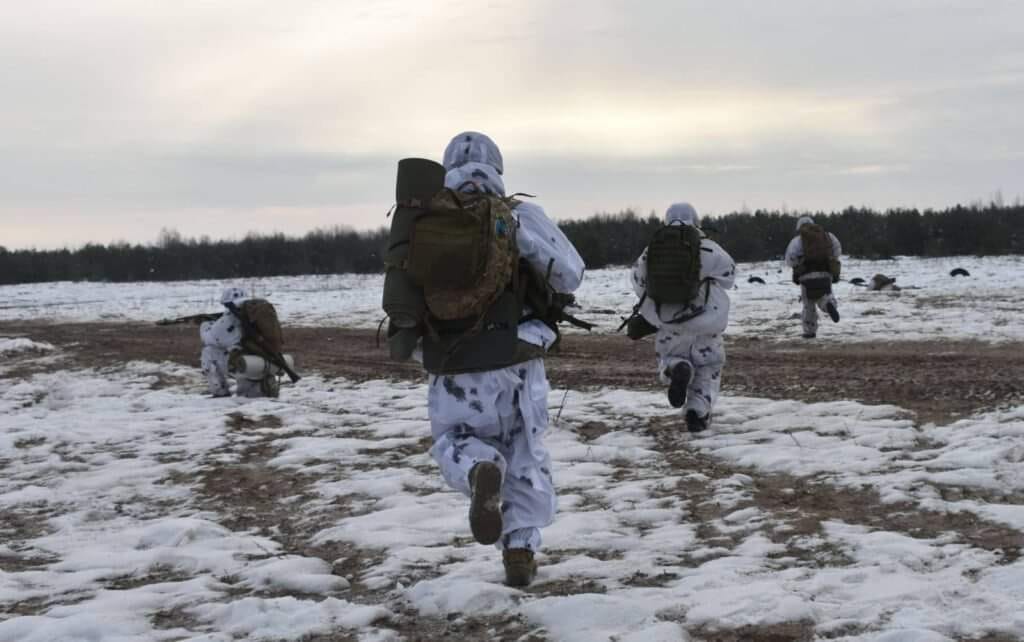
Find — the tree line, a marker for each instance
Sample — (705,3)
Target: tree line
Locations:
(617,239)
(602,240)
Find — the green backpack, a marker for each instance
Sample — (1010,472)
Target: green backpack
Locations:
(463,253)
(817,247)
(262,318)
(673,264)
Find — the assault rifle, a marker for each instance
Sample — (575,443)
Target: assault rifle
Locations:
(195,318)
(548,305)
(253,341)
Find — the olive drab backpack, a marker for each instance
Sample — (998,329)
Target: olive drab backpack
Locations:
(817,248)
(262,316)
(463,253)
(673,265)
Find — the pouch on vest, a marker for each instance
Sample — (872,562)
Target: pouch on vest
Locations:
(457,349)
(673,265)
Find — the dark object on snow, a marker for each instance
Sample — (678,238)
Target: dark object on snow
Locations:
(755,279)
(959,272)
(857,281)
(882,282)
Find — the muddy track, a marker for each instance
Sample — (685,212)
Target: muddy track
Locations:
(940,381)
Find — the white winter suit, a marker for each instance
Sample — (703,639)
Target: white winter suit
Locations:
(697,340)
(501,415)
(219,338)
(794,259)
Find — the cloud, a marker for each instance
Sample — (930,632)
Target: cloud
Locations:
(176,114)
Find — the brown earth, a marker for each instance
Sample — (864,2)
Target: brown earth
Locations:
(939,381)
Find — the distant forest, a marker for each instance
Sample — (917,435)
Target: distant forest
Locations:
(602,240)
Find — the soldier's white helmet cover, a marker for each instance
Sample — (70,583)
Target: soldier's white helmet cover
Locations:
(473,147)
(475,178)
(233,295)
(682,213)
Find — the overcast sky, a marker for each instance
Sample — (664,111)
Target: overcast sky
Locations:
(118,118)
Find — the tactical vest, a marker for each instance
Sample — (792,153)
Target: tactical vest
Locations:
(673,264)
(455,281)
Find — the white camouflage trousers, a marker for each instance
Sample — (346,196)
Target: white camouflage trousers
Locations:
(705,354)
(214,361)
(498,416)
(809,316)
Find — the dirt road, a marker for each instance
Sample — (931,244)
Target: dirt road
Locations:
(939,381)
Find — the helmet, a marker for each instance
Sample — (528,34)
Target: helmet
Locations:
(475,178)
(682,213)
(472,147)
(233,295)
(803,220)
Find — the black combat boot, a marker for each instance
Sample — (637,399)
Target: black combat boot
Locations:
(485,505)
(696,423)
(833,313)
(681,376)
(520,567)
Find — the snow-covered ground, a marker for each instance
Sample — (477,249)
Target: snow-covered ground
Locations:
(136,509)
(932,305)
(132,507)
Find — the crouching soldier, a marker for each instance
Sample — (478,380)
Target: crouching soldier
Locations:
(492,274)
(814,256)
(245,343)
(681,279)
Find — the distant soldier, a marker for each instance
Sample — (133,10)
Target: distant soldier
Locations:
(681,279)
(814,256)
(245,342)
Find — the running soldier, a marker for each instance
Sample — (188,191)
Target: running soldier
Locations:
(681,279)
(814,256)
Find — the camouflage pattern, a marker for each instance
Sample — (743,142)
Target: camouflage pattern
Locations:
(706,356)
(464,253)
(263,316)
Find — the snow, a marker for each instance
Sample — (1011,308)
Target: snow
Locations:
(931,305)
(17,345)
(114,531)
(136,508)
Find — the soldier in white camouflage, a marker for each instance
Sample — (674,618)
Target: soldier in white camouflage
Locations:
(689,344)
(815,269)
(489,426)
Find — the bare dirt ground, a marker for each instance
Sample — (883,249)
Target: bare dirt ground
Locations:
(939,381)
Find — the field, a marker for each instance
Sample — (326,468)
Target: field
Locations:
(865,486)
